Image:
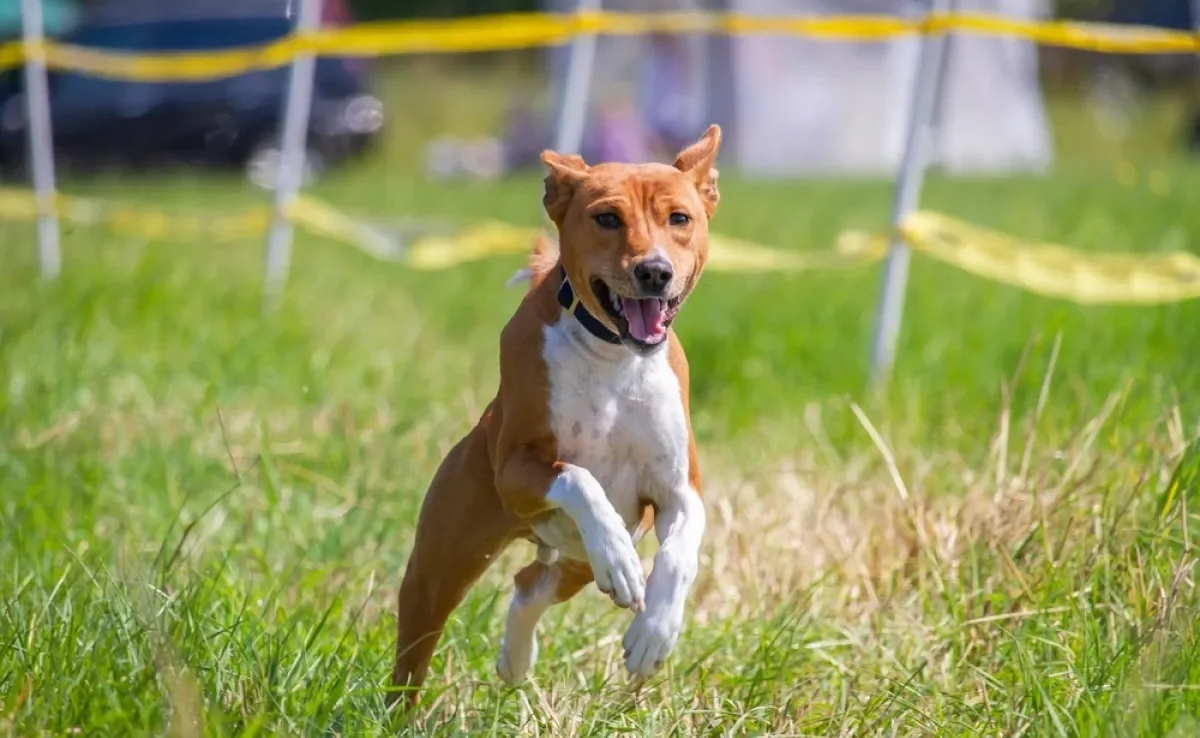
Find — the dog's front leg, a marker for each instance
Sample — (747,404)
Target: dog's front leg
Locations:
(613,558)
(530,487)
(680,527)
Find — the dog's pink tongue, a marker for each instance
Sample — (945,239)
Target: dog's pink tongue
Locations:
(645,319)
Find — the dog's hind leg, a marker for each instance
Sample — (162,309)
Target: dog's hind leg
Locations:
(461,529)
(538,586)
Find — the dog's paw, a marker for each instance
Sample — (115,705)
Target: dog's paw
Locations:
(616,566)
(515,660)
(649,641)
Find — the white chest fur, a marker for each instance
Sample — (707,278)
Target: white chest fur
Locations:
(618,415)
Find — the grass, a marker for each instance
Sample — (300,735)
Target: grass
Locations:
(206,512)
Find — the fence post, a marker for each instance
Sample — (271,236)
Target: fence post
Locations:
(40,138)
(906,197)
(292,153)
(576,89)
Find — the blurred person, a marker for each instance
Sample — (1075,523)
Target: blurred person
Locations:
(646,97)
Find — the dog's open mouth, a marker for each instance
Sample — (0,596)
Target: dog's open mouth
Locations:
(644,320)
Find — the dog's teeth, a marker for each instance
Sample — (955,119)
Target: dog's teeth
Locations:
(616,303)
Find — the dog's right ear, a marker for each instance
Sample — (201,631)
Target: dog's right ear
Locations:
(566,171)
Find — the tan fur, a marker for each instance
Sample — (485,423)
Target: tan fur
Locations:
(491,488)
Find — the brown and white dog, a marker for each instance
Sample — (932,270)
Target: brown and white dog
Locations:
(588,442)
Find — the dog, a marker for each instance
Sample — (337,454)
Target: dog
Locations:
(588,442)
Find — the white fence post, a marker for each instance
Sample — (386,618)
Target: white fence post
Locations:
(290,174)
(906,197)
(572,110)
(40,138)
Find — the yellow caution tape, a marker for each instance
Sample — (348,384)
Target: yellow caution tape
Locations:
(1047,269)
(508,32)
(135,221)
(524,31)
(1107,38)
(325,220)
(17,205)
(727,254)
(1043,268)
(11,55)
(185,67)
(1054,270)
(491,238)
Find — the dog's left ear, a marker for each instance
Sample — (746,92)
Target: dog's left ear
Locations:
(698,160)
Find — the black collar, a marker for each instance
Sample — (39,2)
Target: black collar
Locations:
(570,302)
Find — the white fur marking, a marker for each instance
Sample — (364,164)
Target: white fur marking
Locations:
(618,419)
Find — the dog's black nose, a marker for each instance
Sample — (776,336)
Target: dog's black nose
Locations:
(653,275)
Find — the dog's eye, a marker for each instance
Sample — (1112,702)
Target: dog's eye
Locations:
(679,219)
(607,221)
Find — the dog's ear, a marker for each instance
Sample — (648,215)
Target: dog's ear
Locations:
(566,171)
(698,160)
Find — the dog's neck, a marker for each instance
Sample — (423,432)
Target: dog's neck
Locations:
(591,337)
(585,343)
(568,298)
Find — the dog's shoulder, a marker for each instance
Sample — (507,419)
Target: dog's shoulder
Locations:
(522,342)
(521,409)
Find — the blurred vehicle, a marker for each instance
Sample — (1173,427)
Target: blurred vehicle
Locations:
(234,121)
(1153,70)
(58,16)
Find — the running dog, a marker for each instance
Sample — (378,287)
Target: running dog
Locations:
(588,442)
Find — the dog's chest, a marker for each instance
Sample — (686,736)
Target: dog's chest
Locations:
(618,415)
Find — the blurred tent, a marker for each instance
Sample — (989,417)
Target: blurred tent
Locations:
(60,16)
(793,106)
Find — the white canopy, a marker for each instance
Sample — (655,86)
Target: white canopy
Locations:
(794,106)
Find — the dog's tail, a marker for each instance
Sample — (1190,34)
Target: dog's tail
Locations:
(541,260)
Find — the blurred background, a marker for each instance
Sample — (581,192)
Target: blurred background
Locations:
(790,106)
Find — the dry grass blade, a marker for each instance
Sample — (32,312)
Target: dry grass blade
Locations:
(888,459)
(915,517)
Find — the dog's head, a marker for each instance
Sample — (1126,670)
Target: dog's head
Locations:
(634,237)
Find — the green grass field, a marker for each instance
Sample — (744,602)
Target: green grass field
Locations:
(205,512)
